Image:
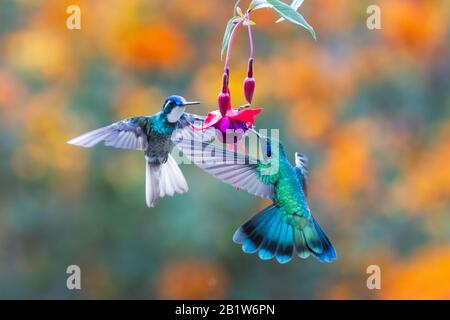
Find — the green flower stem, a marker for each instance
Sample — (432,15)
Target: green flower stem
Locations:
(233,33)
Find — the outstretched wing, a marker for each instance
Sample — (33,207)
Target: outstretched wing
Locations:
(126,134)
(232,167)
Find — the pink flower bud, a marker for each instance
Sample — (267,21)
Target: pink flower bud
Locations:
(249,83)
(224,98)
(249,89)
(224,103)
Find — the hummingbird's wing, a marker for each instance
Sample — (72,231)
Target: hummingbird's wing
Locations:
(232,167)
(126,134)
(301,168)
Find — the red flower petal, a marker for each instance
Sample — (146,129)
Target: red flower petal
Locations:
(246,115)
(211,119)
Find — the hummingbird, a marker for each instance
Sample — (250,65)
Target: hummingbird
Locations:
(152,135)
(285,227)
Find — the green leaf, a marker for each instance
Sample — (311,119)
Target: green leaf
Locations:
(291,15)
(226,36)
(259,4)
(294,5)
(239,11)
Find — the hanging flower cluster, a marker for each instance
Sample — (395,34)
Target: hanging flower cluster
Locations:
(236,121)
(231,121)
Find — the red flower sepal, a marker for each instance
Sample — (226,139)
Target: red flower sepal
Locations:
(238,119)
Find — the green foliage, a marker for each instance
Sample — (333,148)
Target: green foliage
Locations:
(295,5)
(289,13)
(259,4)
(286,12)
(226,36)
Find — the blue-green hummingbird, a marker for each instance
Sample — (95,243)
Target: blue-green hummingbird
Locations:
(152,135)
(283,228)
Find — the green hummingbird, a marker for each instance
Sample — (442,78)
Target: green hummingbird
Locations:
(151,135)
(283,228)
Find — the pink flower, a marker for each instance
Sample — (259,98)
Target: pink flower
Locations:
(249,83)
(238,121)
(229,121)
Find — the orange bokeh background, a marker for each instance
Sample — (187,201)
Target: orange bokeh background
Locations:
(370,109)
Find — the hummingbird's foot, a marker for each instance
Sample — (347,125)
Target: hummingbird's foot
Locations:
(243,107)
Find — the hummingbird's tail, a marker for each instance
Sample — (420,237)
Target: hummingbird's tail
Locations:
(271,235)
(162,180)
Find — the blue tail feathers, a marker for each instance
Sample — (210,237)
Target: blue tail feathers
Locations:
(268,234)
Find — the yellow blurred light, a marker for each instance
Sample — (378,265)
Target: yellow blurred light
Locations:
(40,51)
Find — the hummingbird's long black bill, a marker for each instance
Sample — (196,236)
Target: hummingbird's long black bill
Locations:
(191,103)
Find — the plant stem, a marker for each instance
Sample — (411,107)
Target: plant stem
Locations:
(250,39)
(233,33)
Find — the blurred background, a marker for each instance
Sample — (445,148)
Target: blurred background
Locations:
(369,108)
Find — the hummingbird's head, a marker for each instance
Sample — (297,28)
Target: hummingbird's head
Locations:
(174,107)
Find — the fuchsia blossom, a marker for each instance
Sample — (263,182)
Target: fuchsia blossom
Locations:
(226,119)
(249,83)
(229,120)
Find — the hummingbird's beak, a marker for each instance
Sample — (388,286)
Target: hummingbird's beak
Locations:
(190,103)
